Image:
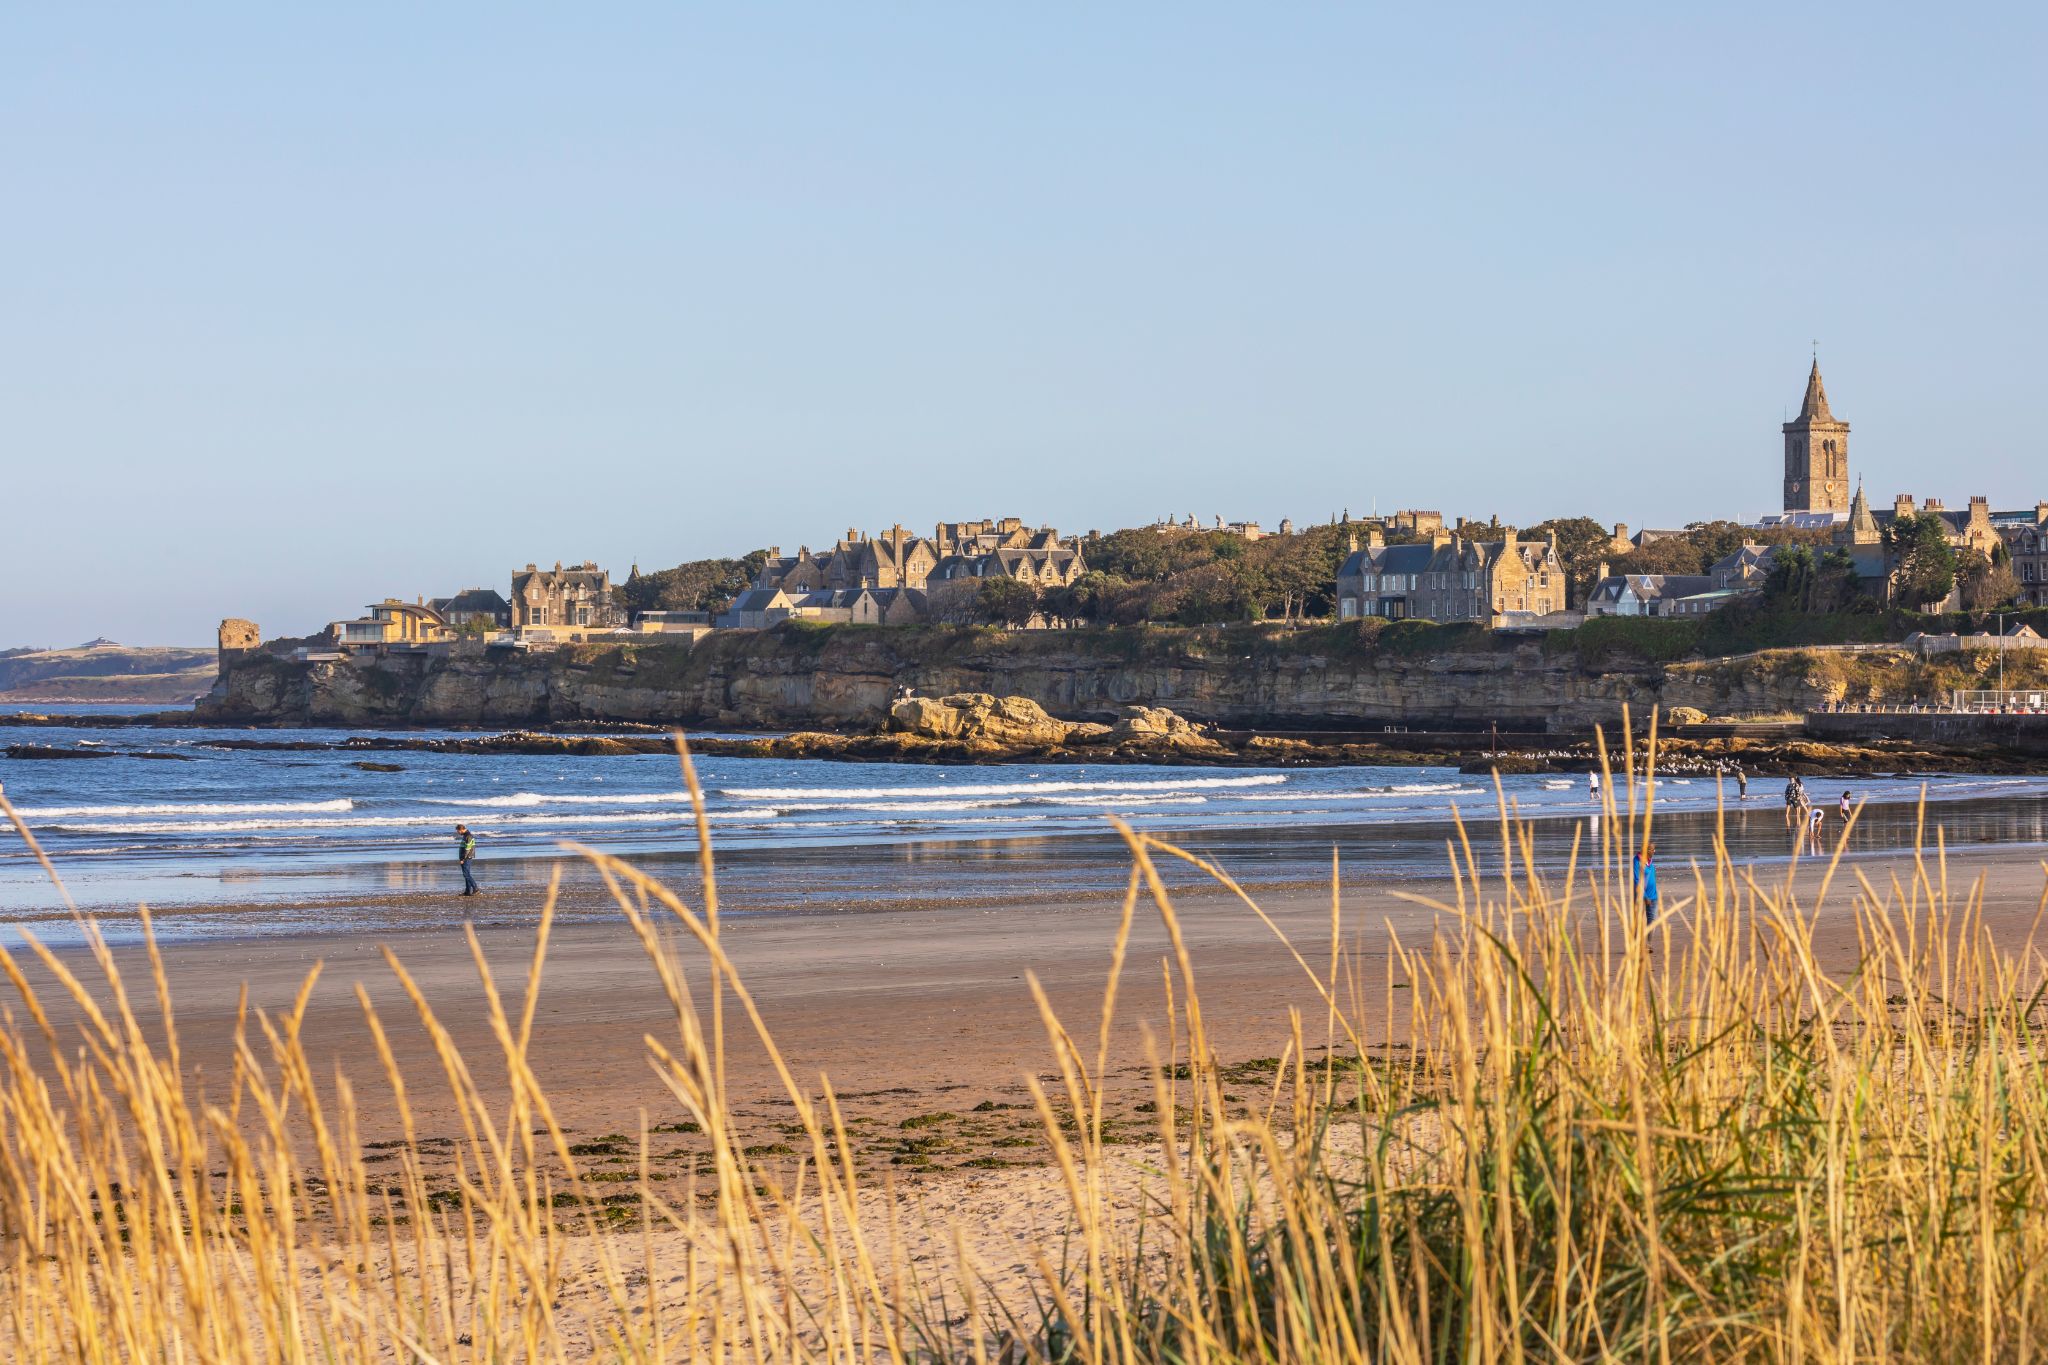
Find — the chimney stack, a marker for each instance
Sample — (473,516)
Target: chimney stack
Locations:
(1376,539)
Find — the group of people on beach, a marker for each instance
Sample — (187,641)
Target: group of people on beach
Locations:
(1806,818)
(1804,815)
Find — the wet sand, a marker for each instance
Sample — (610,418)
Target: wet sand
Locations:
(910,1008)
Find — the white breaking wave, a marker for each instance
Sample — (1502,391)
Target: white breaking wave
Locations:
(519,800)
(403,822)
(1302,796)
(995,789)
(936,808)
(186,808)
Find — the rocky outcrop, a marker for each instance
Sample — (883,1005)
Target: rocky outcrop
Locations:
(845,677)
(806,676)
(980,717)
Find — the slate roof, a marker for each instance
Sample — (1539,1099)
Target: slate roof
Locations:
(473,599)
(756,599)
(1651,586)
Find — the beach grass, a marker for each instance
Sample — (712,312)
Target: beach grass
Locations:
(1545,1132)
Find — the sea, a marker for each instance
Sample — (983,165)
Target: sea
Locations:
(174,820)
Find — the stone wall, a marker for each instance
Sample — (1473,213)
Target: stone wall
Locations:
(2019,734)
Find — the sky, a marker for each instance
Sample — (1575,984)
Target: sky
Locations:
(306,306)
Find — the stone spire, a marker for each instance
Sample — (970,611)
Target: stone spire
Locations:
(1862,526)
(1814,407)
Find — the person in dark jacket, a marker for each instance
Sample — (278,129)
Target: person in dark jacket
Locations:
(465,853)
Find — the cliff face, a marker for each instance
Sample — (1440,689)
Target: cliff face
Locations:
(838,676)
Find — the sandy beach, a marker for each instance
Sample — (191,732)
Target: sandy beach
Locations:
(908,1010)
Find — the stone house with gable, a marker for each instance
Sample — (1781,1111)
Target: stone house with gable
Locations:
(898,571)
(2029,547)
(579,597)
(474,606)
(1452,578)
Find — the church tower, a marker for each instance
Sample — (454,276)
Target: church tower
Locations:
(1816,454)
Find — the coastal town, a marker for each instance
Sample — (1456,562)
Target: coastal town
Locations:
(1828,547)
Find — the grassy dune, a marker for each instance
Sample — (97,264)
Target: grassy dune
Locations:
(1544,1134)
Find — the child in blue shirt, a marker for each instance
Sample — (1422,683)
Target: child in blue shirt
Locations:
(1646,881)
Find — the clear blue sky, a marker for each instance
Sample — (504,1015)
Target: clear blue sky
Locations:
(307,305)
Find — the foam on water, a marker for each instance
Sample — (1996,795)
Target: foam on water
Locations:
(1034,788)
(678,819)
(184,808)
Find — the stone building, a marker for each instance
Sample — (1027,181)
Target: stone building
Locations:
(1816,454)
(956,552)
(2029,546)
(1740,570)
(759,608)
(1973,529)
(237,639)
(474,606)
(578,597)
(1452,578)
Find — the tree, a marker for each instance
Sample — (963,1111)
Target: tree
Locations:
(1006,601)
(1671,555)
(1801,580)
(1923,562)
(1716,540)
(1987,583)
(1215,594)
(700,585)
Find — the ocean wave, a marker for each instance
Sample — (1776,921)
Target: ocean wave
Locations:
(938,808)
(185,808)
(519,800)
(993,789)
(483,826)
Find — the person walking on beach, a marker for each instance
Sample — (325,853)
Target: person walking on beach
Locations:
(1792,804)
(1845,808)
(1646,882)
(1593,786)
(465,854)
(1741,782)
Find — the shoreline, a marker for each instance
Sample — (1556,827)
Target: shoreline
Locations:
(1566,754)
(193,898)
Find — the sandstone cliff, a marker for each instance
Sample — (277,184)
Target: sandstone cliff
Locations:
(846,676)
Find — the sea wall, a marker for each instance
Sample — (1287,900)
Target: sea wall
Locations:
(1947,729)
(844,676)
